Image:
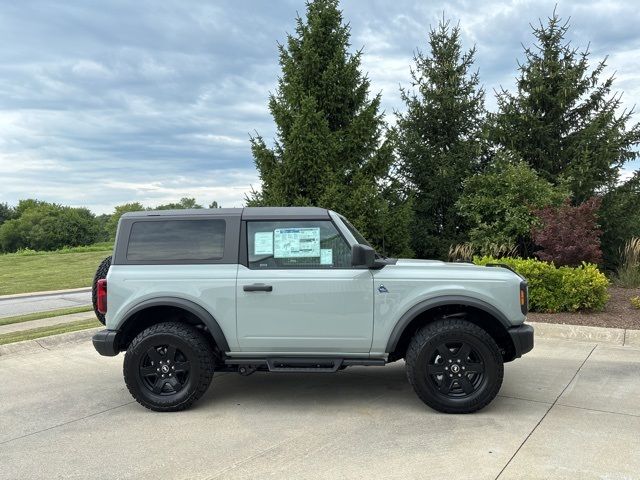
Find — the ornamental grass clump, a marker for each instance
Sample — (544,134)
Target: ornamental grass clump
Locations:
(629,270)
(464,252)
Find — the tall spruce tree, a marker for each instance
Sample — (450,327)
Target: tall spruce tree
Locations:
(330,149)
(439,138)
(563,119)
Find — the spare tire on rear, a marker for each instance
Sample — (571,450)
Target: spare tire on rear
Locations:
(101,273)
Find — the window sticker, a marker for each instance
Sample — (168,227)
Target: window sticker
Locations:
(263,243)
(296,242)
(326,256)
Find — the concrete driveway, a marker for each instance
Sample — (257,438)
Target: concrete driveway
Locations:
(566,410)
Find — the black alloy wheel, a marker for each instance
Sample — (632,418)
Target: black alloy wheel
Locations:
(454,366)
(164,369)
(168,366)
(456,369)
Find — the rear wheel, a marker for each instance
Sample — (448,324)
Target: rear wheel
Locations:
(454,366)
(101,273)
(168,366)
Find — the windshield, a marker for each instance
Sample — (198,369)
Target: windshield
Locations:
(358,236)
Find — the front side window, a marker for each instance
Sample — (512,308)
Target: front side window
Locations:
(175,240)
(354,231)
(296,244)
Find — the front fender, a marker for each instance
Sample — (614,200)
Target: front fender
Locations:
(440,301)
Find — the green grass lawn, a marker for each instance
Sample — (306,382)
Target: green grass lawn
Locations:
(46,331)
(49,314)
(39,271)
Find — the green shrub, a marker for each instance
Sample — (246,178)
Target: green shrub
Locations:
(564,289)
(635,302)
(48,226)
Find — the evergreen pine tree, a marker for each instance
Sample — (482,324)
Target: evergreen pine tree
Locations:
(439,138)
(563,120)
(330,151)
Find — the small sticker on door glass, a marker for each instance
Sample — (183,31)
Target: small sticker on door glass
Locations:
(326,256)
(263,243)
(296,242)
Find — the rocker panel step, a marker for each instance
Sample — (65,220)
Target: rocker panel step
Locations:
(304,364)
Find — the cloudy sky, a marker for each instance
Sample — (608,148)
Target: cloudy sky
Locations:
(103,103)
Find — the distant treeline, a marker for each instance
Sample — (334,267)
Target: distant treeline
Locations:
(37,225)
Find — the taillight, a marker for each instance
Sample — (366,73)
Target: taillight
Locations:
(524,297)
(101,303)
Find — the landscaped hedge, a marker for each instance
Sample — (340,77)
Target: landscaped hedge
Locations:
(564,289)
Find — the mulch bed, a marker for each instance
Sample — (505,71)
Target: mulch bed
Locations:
(617,314)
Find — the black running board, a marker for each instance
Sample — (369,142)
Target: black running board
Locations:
(319,365)
(304,364)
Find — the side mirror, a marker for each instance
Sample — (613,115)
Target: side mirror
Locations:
(362,256)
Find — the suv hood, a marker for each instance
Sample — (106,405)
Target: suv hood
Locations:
(414,262)
(454,268)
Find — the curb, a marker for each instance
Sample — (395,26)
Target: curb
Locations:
(612,336)
(48,343)
(44,294)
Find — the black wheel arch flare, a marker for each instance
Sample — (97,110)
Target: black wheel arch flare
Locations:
(192,307)
(442,301)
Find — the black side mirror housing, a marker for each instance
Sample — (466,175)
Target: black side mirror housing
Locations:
(363,256)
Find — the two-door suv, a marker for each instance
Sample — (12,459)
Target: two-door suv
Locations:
(298,289)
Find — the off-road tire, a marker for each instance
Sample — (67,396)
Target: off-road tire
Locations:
(101,273)
(191,344)
(423,355)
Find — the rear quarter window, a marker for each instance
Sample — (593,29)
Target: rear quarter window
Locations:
(176,240)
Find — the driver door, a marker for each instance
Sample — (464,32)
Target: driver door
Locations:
(298,292)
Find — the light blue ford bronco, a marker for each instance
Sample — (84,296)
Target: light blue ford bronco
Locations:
(190,292)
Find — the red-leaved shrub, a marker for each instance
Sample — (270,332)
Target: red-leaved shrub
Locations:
(569,235)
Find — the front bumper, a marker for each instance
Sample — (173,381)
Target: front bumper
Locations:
(522,337)
(106,342)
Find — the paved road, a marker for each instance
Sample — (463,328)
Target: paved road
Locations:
(40,303)
(45,322)
(567,410)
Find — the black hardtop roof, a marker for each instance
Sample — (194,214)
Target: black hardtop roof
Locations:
(247,213)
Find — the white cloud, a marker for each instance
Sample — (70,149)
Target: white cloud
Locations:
(90,69)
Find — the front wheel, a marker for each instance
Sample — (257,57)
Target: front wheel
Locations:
(454,366)
(168,366)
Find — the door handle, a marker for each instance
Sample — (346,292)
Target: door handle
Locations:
(257,287)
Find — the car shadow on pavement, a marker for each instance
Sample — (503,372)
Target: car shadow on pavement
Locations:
(343,388)
(360,387)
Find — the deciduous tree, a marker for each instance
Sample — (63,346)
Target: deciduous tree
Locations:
(184,203)
(112,223)
(567,234)
(48,226)
(499,203)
